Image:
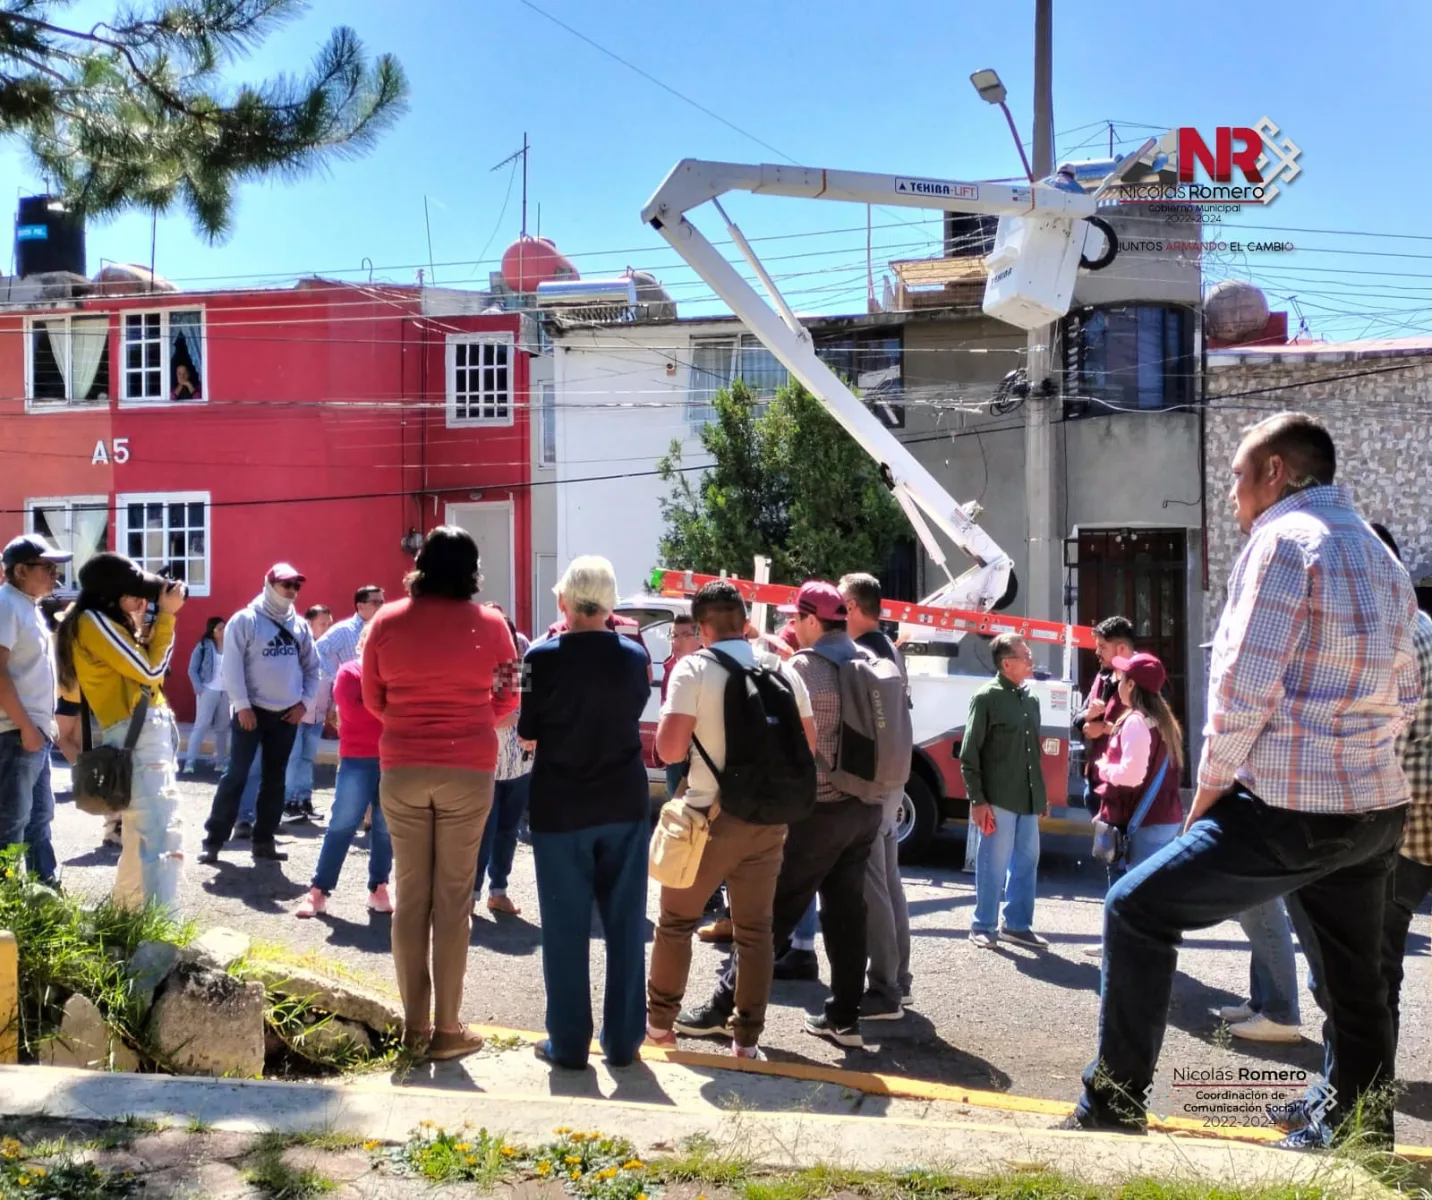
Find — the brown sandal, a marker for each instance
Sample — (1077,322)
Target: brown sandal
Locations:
(457,1043)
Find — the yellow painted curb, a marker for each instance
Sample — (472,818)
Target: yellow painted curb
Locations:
(9,998)
(874,1083)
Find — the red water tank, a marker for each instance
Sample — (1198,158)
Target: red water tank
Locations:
(530,261)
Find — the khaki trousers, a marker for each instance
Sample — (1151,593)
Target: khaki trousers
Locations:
(435,818)
(748,858)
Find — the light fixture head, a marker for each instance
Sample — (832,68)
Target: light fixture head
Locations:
(988,85)
(412,542)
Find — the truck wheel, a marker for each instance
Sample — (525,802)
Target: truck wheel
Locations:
(917,820)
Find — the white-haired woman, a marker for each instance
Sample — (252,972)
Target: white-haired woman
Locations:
(581,714)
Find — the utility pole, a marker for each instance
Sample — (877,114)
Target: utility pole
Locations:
(1039,449)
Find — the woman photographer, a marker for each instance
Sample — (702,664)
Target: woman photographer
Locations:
(101,657)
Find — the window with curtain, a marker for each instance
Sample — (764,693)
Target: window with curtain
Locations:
(717,363)
(68,360)
(79,524)
(548,449)
(163,356)
(1135,357)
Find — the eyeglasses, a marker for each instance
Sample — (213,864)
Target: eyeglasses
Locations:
(52,568)
(288,585)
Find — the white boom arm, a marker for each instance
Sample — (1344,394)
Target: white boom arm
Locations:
(693,182)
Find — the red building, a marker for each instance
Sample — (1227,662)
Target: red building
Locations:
(214,433)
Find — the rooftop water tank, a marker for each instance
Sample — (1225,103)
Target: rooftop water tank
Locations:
(530,261)
(1235,310)
(48,237)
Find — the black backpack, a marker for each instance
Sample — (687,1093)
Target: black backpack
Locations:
(769,777)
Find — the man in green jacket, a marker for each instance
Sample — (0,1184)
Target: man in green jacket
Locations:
(999,759)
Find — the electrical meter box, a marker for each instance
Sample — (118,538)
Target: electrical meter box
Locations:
(1032,268)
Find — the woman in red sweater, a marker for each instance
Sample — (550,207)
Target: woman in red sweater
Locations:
(354,795)
(1143,734)
(429,669)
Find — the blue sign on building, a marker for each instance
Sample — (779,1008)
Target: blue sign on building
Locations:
(32,233)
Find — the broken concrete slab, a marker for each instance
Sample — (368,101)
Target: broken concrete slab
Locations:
(206,1022)
(221,948)
(85,1040)
(337,996)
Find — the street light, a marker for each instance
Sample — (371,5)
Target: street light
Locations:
(987,84)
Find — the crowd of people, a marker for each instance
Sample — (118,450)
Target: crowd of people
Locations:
(788,755)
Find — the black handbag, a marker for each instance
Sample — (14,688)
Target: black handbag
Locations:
(103,776)
(1112,844)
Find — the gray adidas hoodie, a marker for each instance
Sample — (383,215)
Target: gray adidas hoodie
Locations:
(269,662)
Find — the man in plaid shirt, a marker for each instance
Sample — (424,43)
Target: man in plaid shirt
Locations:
(1411,878)
(1300,789)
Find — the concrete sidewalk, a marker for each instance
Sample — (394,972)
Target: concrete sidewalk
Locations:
(775,1122)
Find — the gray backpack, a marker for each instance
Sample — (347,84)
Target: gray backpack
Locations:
(876,738)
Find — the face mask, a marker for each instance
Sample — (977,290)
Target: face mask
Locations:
(275,600)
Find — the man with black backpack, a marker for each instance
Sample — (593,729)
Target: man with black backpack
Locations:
(861,715)
(746,726)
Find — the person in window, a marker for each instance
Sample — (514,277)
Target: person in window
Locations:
(100,658)
(581,716)
(434,670)
(186,387)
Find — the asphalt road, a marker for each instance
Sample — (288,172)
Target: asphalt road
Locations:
(1008,1019)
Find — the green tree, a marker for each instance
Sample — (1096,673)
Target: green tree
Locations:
(133,112)
(786,481)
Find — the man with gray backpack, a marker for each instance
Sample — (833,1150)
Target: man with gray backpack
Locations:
(743,721)
(861,717)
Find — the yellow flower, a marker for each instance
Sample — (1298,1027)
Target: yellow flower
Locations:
(575,1175)
(544,1169)
(371,1144)
(641,1196)
(471,1160)
(572,1158)
(41,1172)
(10,1148)
(426,1124)
(509,1151)
(463,1147)
(562,1129)
(636,1165)
(24,1180)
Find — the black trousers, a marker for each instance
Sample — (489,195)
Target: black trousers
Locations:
(826,854)
(275,736)
(1407,887)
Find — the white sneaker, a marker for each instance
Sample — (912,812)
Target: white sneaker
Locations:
(1260,1029)
(1236,1013)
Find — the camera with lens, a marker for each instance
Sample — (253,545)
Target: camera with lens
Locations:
(162,582)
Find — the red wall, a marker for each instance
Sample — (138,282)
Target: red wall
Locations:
(323,429)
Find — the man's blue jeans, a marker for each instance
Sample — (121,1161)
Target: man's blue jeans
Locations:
(1007,864)
(499,838)
(298,778)
(806,928)
(27,805)
(1241,854)
(1272,971)
(355,793)
(603,867)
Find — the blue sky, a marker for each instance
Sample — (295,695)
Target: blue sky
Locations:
(844,83)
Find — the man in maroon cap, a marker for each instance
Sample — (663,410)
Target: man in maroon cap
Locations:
(828,851)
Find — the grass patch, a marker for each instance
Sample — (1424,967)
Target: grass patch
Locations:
(700,1159)
(58,1178)
(67,947)
(198,1125)
(276,1178)
(277,954)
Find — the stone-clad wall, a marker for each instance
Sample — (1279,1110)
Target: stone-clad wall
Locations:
(1381,423)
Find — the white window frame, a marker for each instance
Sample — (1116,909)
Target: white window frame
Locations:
(699,415)
(122,391)
(455,340)
(32,404)
(547,421)
(120,525)
(68,583)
